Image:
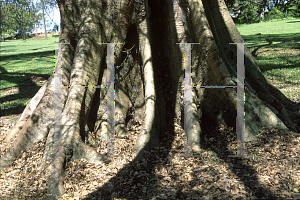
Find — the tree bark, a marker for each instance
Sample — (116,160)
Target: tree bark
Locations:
(149,80)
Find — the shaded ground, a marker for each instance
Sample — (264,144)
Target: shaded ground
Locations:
(275,170)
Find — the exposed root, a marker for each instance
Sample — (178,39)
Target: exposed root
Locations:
(35,129)
(28,111)
(150,97)
(56,180)
(83,151)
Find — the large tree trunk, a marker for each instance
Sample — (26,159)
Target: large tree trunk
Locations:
(149,84)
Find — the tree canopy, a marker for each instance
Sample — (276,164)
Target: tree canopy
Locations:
(248,11)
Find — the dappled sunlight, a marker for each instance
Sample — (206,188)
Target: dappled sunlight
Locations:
(283,52)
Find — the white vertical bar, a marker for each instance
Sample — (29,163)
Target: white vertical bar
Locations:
(188,96)
(240,121)
(110,98)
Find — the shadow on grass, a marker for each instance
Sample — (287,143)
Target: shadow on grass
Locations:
(294,22)
(26,87)
(267,67)
(284,80)
(271,38)
(286,41)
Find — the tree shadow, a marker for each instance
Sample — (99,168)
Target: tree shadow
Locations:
(294,22)
(257,48)
(3,70)
(269,66)
(26,90)
(271,38)
(286,41)
(286,81)
(239,166)
(9,50)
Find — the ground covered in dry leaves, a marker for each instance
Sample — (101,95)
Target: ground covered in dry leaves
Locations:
(273,173)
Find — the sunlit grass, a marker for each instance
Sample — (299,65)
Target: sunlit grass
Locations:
(276,48)
(21,60)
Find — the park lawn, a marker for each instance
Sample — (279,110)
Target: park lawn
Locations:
(24,68)
(276,48)
(26,65)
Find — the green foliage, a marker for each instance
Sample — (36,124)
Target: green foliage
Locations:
(36,16)
(55,27)
(19,14)
(16,15)
(275,13)
(123,63)
(10,31)
(250,9)
(230,4)
(294,10)
(249,15)
(254,156)
(7,17)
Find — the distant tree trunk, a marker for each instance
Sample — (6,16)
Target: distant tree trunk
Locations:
(36,33)
(23,32)
(261,16)
(2,39)
(150,82)
(45,28)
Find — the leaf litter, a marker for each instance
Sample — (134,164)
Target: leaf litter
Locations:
(273,173)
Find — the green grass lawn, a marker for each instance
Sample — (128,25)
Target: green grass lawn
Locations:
(276,49)
(23,66)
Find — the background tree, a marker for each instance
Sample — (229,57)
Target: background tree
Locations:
(7,19)
(36,16)
(43,9)
(250,10)
(293,7)
(18,14)
(55,27)
(45,4)
(23,17)
(150,84)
